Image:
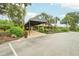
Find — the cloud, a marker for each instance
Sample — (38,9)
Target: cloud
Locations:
(68,5)
(30,15)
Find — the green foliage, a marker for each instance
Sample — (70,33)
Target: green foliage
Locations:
(15,12)
(3,7)
(45,16)
(51,29)
(77,30)
(61,29)
(71,19)
(5,24)
(16,31)
(64,30)
(56,19)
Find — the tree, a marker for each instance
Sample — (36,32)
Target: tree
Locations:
(3,7)
(48,18)
(56,19)
(15,11)
(72,19)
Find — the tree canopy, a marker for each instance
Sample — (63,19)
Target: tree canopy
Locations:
(15,11)
(71,19)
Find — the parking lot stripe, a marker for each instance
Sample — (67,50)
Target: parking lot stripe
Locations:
(13,50)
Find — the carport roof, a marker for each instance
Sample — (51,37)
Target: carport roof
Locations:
(35,21)
(38,19)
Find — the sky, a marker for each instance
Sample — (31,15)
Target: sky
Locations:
(54,9)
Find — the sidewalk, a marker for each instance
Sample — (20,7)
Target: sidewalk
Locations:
(35,34)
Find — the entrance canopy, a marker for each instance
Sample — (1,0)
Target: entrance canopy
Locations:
(35,21)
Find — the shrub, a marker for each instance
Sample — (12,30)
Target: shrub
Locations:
(5,24)
(41,29)
(58,30)
(16,31)
(62,29)
(5,27)
(77,30)
(46,30)
(50,30)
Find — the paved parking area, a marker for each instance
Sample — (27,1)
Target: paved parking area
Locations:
(59,44)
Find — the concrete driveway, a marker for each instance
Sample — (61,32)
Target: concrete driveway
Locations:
(59,44)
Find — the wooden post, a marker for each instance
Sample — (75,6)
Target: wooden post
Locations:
(38,27)
(29,27)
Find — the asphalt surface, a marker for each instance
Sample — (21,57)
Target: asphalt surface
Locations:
(59,44)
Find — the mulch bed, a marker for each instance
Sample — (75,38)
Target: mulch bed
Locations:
(4,39)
